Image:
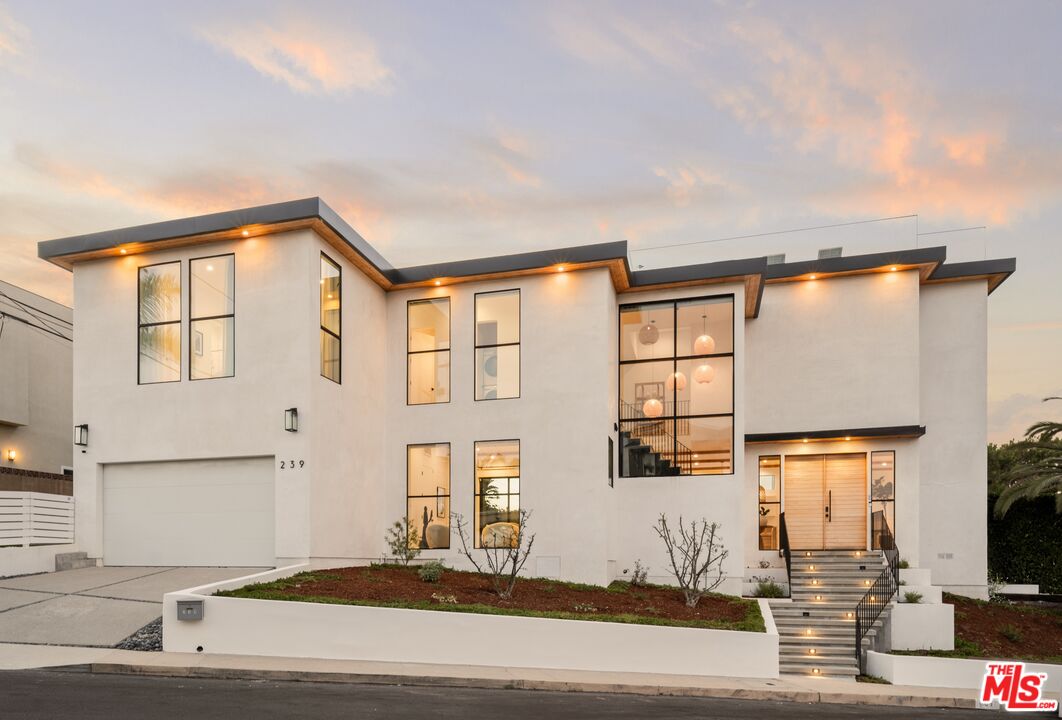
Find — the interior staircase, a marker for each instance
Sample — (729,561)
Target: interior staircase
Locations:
(816,628)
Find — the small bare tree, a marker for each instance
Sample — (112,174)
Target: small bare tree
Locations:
(696,555)
(503,560)
(403,540)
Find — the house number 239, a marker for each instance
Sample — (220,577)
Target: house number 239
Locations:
(290,464)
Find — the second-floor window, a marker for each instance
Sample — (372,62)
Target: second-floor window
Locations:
(331,319)
(212,317)
(428,351)
(498,345)
(159,323)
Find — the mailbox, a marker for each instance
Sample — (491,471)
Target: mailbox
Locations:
(189,609)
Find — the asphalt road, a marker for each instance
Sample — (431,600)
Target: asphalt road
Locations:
(55,694)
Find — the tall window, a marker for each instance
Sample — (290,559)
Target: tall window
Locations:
(882,495)
(497,493)
(159,323)
(331,319)
(498,345)
(677,387)
(212,317)
(428,351)
(428,494)
(770,501)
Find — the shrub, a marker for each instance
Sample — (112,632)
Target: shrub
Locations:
(431,572)
(696,554)
(1011,633)
(502,562)
(403,540)
(903,564)
(639,574)
(912,597)
(767,588)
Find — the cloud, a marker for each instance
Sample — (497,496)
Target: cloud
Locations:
(1009,418)
(14,37)
(685,181)
(310,60)
(510,152)
(607,38)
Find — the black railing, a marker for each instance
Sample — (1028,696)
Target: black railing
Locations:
(878,597)
(783,550)
(653,433)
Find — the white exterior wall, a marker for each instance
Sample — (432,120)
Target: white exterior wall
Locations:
(561,417)
(719,498)
(954,502)
(276,340)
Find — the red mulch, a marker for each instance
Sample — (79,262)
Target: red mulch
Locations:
(390,584)
(1036,632)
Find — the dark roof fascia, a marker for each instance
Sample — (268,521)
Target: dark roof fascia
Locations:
(893,431)
(580,254)
(698,273)
(855,263)
(1000,269)
(292,210)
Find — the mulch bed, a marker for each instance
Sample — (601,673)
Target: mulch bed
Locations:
(1003,630)
(400,586)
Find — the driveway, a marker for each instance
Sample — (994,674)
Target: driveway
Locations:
(98,606)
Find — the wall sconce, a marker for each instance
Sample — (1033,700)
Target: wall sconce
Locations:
(11,455)
(291,419)
(81,435)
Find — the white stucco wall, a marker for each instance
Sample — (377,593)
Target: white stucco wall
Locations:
(834,354)
(954,503)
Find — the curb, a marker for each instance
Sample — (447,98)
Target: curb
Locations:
(778,695)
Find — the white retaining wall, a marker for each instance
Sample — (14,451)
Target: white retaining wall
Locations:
(30,560)
(294,629)
(946,672)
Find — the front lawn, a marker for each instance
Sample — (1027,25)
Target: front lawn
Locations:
(395,586)
(1002,631)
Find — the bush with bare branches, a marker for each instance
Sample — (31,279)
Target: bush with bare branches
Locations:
(403,540)
(502,562)
(696,554)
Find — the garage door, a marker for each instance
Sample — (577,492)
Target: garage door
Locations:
(196,512)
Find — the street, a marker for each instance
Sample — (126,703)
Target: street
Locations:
(57,694)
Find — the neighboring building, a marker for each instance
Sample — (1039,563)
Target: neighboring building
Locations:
(842,390)
(36,396)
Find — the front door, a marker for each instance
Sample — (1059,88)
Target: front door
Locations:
(826,501)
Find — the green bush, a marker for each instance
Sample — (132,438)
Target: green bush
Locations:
(912,597)
(1025,546)
(1011,633)
(767,588)
(431,572)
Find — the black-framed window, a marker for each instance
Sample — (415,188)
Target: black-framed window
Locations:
(611,462)
(331,319)
(212,317)
(428,351)
(428,494)
(497,345)
(676,387)
(882,494)
(159,323)
(769,505)
(497,493)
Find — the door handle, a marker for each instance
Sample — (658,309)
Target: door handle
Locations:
(829,502)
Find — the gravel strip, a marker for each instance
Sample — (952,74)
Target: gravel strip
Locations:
(147,638)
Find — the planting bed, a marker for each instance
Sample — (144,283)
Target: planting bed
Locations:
(397,586)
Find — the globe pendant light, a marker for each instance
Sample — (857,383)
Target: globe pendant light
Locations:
(675,381)
(704,374)
(652,408)
(649,333)
(705,344)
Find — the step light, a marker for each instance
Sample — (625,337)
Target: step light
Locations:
(812,651)
(818,597)
(848,614)
(808,632)
(815,671)
(811,567)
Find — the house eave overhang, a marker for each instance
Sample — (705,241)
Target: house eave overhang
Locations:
(864,433)
(994,272)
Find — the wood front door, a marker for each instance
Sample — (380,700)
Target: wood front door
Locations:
(826,501)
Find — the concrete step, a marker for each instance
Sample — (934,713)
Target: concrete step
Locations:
(848,671)
(73,561)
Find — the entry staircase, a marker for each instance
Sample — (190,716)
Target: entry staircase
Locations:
(816,627)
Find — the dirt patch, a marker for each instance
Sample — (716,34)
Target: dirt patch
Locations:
(395,586)
(1006,630)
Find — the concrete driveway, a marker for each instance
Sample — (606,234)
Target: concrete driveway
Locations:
(99,606)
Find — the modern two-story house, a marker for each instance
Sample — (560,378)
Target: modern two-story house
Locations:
(261,386)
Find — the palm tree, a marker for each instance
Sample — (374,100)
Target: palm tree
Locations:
(1039,473)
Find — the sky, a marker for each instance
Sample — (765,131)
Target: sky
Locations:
(444,131)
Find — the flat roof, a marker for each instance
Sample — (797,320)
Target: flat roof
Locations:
(314,213)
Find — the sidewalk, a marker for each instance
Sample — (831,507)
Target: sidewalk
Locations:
(793,689)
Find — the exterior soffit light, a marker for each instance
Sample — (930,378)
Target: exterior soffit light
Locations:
(81,435)
(438,283)
(11,455)
(894,268)
(812,277)
(246,233)
(291,419)
(561,268)
(122,250)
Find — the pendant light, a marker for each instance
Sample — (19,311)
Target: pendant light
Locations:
(652,408)
(649,333)
(675,381)
(704,374)
(705,344)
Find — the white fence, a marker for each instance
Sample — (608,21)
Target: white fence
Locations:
(30,518)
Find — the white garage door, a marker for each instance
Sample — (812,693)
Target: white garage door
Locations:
(195,512)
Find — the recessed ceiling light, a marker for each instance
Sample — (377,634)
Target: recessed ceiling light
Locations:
(894,268)
(246,233)
(122,251)
(438,283)
(812,277)
(210,268)
(560,268)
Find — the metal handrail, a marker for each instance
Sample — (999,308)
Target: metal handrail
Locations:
(880,594)
(657,437)
(784,551)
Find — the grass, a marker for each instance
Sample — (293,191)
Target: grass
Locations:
(874,679)
(278,590)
